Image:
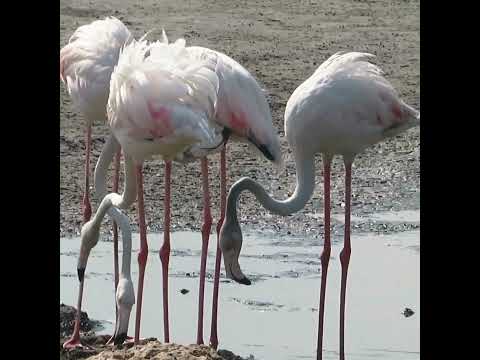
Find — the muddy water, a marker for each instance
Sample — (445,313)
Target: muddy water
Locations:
(276,317)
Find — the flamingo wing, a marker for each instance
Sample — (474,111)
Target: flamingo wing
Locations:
(87,62)
(162,98)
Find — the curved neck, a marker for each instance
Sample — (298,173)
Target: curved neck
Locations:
(100,175)
(303,191)
(112,202)
(101,168)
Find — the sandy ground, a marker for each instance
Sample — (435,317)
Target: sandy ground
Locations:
(150,349)
(95,347)
(281,43)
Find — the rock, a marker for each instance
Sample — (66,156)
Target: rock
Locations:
(228,355)
(408,312)
(67,321)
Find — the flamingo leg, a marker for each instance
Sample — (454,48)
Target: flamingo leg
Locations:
(165,249)
(207,225)
(325,257)
(218,259)
(86,206)
(143,254)
(345,255)
(74,341)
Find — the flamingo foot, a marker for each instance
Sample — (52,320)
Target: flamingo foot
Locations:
(128,340)
(74,343)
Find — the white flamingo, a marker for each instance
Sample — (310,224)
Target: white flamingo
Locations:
(343,108)
(242,110)
(160,103)
(86,64)
(244,114)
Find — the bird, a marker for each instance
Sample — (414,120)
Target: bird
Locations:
(344,107)
(86,64)
(244,109)
(160,103)
(112,203)
(243,114)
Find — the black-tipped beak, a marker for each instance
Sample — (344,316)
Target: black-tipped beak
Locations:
(244,280)
(120,339)
(265,151)
(81,274)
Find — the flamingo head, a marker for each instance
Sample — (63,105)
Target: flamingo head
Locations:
(89,236)
(231,244)
(125,298)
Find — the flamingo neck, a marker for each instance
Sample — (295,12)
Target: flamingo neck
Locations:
(101,168)
(303,191)
(112,202)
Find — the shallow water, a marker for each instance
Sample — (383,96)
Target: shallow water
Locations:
(276,317)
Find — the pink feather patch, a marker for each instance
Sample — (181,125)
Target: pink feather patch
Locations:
(161,120)
(397,113)
(238,123)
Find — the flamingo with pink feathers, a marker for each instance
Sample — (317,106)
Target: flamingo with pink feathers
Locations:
(344,107)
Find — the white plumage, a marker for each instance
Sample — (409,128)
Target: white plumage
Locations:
(344,107)
(242,104)
(161,100)
(87,62)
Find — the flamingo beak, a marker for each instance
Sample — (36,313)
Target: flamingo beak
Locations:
(262,147)
(121,328)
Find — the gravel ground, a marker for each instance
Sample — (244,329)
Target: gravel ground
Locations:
(150,348)
(281,43)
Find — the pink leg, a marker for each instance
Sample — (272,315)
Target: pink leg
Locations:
(325,258)
(165,249)
(74,340)
(207,225)
(218,259)
(87,208)
(142,255)
(345,255)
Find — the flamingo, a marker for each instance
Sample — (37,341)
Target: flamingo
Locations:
(244,114)
(234,107)
(160,103)
(343,108)
(86,64)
